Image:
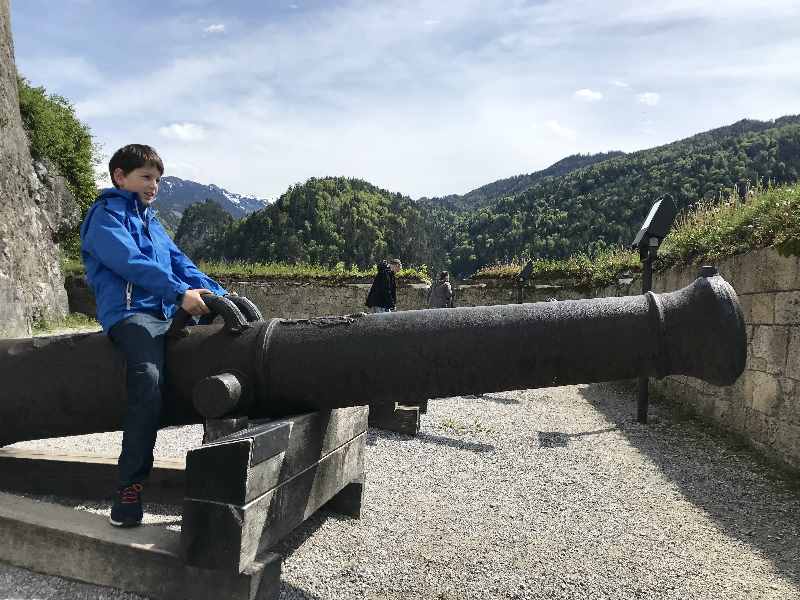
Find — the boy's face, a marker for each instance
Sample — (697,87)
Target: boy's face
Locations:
(144,181)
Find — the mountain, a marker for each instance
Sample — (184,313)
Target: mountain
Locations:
(582,203)
(337,220)
(490,192)
(603,204)
(175,195)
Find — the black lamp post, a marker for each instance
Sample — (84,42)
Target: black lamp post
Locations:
(654,229)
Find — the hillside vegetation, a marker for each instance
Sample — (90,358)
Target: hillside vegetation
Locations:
(733,224)
(598,202)
(510,186)
(58,137)
(336,220)
(603,205)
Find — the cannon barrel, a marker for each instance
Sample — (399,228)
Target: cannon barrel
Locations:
(69,385)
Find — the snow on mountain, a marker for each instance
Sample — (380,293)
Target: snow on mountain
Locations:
(175,195)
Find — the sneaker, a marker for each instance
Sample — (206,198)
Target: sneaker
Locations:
(127,508)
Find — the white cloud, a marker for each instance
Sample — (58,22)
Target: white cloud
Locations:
(588,95)
(297,87)
(561,131)
(648,98)
(215,28)
(184,132)
(58,72)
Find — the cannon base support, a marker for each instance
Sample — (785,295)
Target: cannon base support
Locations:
(248,490)
(90,477)
(399,418)
(243,493)
(57,540)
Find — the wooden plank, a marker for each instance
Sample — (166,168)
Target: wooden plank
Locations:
(60,541)
(348,500)
(245,465)
(402,419)
(228,536)
(85,476)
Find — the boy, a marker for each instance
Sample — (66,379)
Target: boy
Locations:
(139,278)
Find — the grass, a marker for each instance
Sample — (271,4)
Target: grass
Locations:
(580,270)
(768,216)
(71,321)
(305,272)
(730,226)
(266,271)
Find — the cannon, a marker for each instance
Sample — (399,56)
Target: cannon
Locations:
(70,385)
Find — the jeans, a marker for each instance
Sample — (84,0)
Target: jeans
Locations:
(141,338)
(379,309)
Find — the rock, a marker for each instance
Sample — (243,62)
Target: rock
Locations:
(36,209)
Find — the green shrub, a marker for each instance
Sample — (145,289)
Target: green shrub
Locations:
(56,135)
(71,321)
(731,225)
(304,272)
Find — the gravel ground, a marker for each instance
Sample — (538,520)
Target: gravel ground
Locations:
(554,493)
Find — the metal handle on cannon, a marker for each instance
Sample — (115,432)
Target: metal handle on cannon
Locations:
(235,321)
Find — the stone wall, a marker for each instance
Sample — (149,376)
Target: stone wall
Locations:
(763,406)
(34,207)
(307,299)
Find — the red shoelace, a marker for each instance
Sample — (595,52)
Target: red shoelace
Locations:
(130,494)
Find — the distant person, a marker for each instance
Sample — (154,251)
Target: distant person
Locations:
(382,295)
(441,293)
(139,278)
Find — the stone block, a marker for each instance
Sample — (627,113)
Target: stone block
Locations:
(765,392)
(787,308)
(762,308)
(781,273)
(787,441)
(793,354)
(746,304)
(745,273)
(769,344)
(789,409)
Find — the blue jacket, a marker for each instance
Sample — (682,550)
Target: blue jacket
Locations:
(131,263)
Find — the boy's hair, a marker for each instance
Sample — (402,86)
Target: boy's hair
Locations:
(134,156)
(443,275)
(394,261)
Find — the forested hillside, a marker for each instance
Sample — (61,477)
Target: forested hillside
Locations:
(510,186)
(604,204)
(332,220)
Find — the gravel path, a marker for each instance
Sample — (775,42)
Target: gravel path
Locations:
(554,493)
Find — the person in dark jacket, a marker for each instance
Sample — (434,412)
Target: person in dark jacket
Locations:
(382,295)
(139,278)
(441,293)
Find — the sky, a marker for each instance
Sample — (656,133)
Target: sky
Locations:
(421,98)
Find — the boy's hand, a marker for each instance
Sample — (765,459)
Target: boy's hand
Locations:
(193,303)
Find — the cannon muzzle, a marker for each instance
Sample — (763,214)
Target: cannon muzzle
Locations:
(74,384)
